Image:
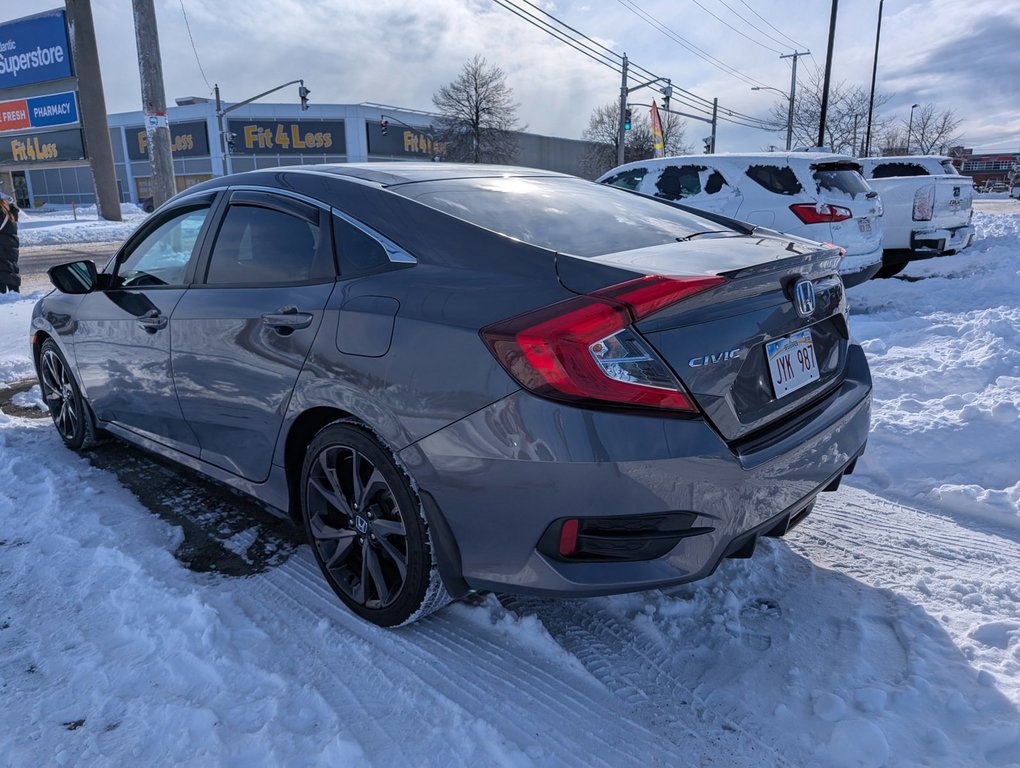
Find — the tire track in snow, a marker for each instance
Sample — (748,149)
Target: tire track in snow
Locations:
(503,691)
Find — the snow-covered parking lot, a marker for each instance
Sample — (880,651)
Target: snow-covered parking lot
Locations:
(884,631)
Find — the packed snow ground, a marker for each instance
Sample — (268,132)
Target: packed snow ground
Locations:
(884,631)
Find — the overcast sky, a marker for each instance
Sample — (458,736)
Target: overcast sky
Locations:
(959,55)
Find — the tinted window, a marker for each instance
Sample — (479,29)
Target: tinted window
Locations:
(840,177)
(715,183)
(358,253)
(775,178)
(627,179)
(162,257)
(265,246)
(888,170)
(679,181)
(563,214)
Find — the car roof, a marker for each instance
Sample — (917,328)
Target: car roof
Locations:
(397,172)
(733,158)
(904,158)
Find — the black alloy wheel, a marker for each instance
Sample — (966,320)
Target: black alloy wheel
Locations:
(365,526)
(60,392)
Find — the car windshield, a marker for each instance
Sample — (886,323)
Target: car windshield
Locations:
(563,214)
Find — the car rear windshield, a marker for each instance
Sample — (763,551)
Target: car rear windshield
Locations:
(844,178)
(563,214)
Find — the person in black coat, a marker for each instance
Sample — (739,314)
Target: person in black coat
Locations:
(10,279)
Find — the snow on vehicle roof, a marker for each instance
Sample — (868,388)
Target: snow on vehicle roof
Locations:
(738,159)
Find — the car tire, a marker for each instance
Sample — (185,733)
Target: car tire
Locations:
(70,412)
(890,270)
(367,528)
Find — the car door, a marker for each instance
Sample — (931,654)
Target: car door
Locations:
(241,334)
(122,339)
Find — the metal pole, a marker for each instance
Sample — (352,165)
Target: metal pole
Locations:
(874,72)
(828,75)
(157,127)
(793,95)
(621,133)
(93,107)
(715,122)
(219,131)
(910,126)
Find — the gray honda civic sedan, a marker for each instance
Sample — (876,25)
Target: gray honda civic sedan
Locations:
(463,378)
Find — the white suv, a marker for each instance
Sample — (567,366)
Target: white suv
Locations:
(814,195)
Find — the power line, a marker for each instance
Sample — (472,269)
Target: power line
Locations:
(796,44)
(631,6)
(609,58)
(195,49)
(726,23)
(751,24)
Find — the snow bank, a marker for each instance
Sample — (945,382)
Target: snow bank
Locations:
(944,349)
(57,225)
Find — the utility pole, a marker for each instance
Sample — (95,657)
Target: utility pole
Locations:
(828,75)
(621,133)
(715,122)
(93,107)
(793,95)
(874,72)
(157,127)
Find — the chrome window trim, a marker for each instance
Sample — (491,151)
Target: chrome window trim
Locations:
(394,252)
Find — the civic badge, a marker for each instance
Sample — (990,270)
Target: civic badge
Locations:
(804,297)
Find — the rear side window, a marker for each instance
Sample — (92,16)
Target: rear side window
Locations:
(260,246)
(629,179)
(775,178)
(841,178)
(715,183)
(561,214)
(679,181)
(888,170)
(359,254)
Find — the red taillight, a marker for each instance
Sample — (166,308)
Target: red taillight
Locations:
(822,213)
(582,349)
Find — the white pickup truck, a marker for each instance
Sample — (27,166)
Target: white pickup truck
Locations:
(927,208)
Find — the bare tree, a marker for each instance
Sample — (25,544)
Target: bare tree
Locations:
(846,119)
(932,130)
(478,115)
(602,133)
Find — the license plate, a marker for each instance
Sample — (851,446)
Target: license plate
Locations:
(792,362)
(865,225)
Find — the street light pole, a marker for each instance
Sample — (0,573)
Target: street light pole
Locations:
(910,126)
(793,94)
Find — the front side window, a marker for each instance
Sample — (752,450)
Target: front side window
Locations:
(679,181)
(889,170)
(264,246)
(161,259)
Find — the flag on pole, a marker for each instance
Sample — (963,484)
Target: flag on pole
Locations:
(660,145)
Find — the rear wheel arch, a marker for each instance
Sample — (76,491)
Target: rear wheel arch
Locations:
(299,437)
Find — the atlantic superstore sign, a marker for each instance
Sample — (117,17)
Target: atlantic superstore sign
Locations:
(189,139)
(34,49)
(288,137)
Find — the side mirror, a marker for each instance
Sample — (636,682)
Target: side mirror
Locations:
(75,276)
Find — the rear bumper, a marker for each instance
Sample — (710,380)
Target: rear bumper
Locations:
(860,267)
(937,241)
(501,476)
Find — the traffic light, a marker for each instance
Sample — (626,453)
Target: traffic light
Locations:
(667,93)
(303,92)
(384,124)
(708,145)
(230,141)
(626,119)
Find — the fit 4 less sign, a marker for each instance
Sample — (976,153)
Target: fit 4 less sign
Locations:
(31,148)
(186,140)
(283,137)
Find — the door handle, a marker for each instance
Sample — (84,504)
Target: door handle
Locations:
(152,321)
(287,318)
